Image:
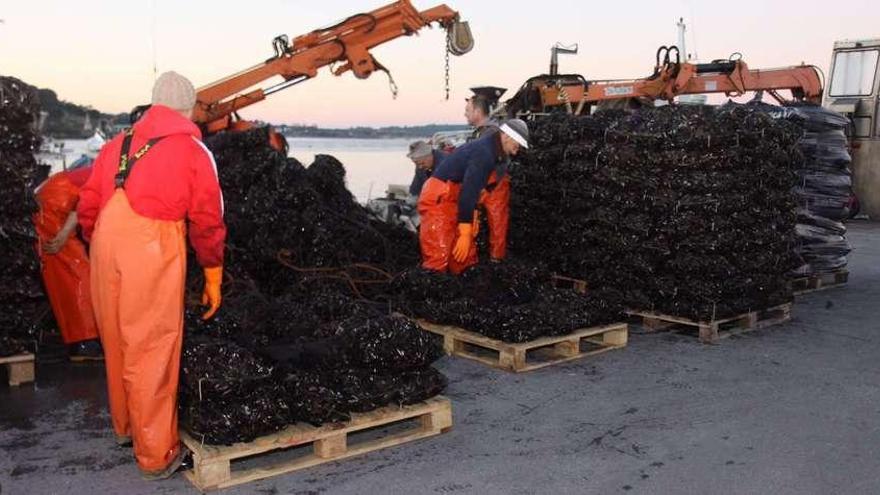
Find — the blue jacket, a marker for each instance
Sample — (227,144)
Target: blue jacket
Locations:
(470,165)
(421,176)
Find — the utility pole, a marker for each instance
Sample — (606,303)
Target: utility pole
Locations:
(682,28)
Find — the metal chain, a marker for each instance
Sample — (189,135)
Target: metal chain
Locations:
(448,50)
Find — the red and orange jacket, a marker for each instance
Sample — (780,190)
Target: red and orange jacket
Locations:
(174,180)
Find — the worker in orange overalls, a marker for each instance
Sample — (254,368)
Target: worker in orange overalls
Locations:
(448,202)
(495,197)
(64,263)
(145,183)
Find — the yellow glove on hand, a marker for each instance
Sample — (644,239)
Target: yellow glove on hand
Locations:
(211,295)
(464,242)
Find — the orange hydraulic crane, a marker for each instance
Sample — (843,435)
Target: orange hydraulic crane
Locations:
(572,93)
(345,46)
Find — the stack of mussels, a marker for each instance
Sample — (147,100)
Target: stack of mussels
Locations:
(687,211)
(22,302)
(512,302)
(296,339)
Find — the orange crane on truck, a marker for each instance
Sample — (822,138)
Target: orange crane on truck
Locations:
(572,93)
(344,46)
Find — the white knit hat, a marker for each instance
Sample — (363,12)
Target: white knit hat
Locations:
(174,91)
(517,130)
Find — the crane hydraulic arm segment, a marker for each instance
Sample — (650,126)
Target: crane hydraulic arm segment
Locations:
(572,93)
(347,44)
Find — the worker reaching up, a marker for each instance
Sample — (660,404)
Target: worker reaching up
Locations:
(495,198)
(449,199)
(145,183)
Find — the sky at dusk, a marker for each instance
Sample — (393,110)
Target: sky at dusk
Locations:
(102,53)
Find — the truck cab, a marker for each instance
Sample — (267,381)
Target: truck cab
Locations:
(853,88)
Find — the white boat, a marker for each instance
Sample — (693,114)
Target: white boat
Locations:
(96,142)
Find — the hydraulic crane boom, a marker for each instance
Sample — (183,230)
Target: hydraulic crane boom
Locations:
(731,78)
(574,94)
(347,43)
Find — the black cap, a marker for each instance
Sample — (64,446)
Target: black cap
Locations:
(490,93)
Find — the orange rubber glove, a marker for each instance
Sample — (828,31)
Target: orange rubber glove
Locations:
(464,242)
(476,223)
(211,295)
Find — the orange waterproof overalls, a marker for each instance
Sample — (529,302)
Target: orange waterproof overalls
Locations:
(438,231)
(496,200)
(65,273)
(138,271)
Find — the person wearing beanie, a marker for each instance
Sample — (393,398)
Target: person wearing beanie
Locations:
(425,158)
(448,202)
(150,186)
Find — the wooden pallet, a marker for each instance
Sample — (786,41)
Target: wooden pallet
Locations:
(212,464)
(819,281)
(711,332)
(533,355)
(20,368)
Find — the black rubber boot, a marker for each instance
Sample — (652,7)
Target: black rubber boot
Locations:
(164,474)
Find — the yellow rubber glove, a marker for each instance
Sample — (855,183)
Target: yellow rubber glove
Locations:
(464,242)
(211,295)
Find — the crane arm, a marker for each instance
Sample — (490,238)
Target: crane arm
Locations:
(671,78)
(733,78)
(347,43)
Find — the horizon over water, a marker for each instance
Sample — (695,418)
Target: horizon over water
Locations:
(370,164)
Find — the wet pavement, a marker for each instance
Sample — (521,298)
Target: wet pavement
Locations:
(791,409)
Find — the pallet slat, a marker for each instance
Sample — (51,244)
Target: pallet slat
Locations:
(516,357)
(212,467)
(711,332)
(821,281)
(20,368)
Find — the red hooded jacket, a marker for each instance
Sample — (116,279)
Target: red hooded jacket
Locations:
(175,179)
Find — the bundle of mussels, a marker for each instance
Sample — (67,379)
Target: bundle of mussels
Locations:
(824,188)
(296,338)
(22,302)
(512,302)
(688,211)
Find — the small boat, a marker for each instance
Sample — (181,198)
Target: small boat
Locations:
(96,142)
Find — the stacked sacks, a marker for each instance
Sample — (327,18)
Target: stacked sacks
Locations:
(687,211)
(575,216)
(295,340)
(716,185)
(824,187)
(22,302)
(511,302)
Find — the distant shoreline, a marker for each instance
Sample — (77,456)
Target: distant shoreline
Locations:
(391,132)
